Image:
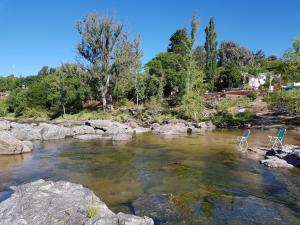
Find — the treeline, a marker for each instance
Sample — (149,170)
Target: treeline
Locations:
(111,73)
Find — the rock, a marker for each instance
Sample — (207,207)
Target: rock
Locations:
(80,130)
(140,130)
(4,125)
(173,129)
(205,125)
(121,137)
(100,132)
(275,162)
(47,203)
(162,208)
(110,127)
(28,143)
(52,132)
(92,137)
(11,145)
(133,124)
(293,158)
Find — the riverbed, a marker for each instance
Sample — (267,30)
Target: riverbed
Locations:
(220,184)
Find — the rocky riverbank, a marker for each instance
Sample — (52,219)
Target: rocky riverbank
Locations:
(15,138)
(62,203)
(287,157)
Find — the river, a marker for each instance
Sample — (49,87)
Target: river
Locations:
(220,184)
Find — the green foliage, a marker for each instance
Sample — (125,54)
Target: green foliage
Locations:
(179,42)
(231,52)
(223,119)
(294,53)
(211,54)
(291,98)
(92,212)
(231,76)
(3,108)
(192,106)
(8,83)
(290,70)
(167,74)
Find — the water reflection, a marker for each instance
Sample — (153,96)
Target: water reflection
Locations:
(220,185)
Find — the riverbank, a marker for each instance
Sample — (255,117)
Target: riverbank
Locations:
(15,138)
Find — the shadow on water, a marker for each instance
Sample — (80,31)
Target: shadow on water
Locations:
(212,183)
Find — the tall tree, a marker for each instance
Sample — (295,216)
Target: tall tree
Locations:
(108,51)
(179,42)
(294,53)
(211,54)
(232,52)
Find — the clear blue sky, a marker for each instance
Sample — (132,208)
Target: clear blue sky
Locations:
(42,32)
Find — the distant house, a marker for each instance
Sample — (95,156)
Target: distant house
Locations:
(256,81)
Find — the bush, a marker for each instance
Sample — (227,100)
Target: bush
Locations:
(3,108)
(192,106)
(290,98)
(224,119)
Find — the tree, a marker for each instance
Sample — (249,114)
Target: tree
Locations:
(232,52)
(167,67)
(179,42)
(108,51)
(294,53)
(199,55)
(259,54)
(44,71)
(211,54)
(231,75)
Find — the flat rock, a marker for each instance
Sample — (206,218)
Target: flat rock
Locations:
(9,145)
(47,203)
(139,130)
(275,162)
(4,125)
(177,128)
(80,130)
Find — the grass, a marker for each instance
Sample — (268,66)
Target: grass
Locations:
(92,212)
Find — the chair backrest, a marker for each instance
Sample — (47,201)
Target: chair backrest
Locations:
(281,133)
(246,133)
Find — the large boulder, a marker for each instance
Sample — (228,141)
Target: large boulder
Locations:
(110,127)
(4,125)
(9,145)
(52,132)
(172,129)
(80,130)
(47,203)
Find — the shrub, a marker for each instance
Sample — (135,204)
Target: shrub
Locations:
(3,108)
(192,106)
(92,212)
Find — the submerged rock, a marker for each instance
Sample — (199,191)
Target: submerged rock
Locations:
(162,208)
(47,203)
(121,137)
(9,145)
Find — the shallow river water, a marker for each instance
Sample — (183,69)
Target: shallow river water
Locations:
(219,184)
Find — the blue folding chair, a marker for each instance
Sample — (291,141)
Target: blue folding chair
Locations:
(243,140)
